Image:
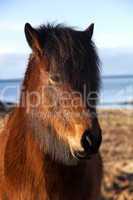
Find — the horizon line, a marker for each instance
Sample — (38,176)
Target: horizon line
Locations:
(102,77)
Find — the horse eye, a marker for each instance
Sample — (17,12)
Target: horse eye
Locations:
(54,78)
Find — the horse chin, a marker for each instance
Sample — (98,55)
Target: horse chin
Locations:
(59,152)
(56,149)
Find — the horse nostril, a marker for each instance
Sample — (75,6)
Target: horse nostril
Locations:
(91,141)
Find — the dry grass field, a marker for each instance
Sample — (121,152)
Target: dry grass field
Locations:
(117,153)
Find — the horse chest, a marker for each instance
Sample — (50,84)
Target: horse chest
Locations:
(67,185)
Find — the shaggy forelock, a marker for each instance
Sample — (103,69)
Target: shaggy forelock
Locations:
(73,54)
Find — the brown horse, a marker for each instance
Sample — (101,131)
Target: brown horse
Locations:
(49,146)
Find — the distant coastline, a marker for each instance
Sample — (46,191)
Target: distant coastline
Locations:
(103,77)
(116,91)
(117,76)
(11,80)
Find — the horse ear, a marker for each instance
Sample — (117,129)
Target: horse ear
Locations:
(32,37)
(90,30)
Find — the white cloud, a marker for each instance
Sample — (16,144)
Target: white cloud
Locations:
(13,50)
(114,40)
(10,26)
(12,65)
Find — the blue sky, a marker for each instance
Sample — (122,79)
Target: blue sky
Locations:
(113,23)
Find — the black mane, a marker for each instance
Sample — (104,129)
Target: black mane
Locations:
(72,54)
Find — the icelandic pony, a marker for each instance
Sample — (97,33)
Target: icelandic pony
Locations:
(49,145)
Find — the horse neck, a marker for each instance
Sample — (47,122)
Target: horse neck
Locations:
(22,157)
(22,153)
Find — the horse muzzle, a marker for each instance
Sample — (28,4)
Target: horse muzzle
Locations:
(90,142)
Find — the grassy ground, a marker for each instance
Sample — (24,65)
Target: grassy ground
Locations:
(117,153)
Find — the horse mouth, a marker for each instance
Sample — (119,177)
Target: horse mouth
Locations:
(83,155)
